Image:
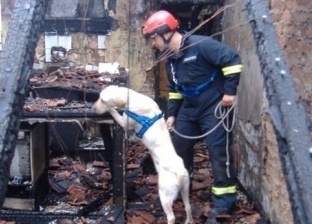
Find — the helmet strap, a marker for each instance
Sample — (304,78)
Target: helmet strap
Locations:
(167,41)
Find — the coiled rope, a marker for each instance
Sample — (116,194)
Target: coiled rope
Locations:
(222,113)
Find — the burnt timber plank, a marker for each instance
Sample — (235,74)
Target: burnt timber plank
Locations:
(16,61)
(119,161)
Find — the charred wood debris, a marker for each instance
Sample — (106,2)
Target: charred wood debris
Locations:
(84,188)
(73,81)
(79,78)
(77,187)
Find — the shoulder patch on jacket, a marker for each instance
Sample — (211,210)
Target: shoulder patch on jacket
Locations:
(190,58)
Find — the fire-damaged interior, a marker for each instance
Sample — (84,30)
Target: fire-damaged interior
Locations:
(65,152)
(70,164)
(87,16)
(191,13)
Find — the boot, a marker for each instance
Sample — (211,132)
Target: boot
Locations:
(214,213)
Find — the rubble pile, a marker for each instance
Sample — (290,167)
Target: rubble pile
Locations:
(70,89)
(75,186)
(143,202)
(78,78)
(82,184)
(39,104)
(78,184)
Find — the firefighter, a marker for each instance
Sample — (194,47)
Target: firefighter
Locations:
(203,74)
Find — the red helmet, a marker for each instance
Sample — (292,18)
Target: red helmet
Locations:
(159,23)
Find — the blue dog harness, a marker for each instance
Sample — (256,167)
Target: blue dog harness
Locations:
(195,91)
(146,122)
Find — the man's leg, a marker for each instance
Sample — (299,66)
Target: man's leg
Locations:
(183,146)
(221,158)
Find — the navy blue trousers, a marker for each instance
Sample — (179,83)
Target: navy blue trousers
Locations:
(196,116)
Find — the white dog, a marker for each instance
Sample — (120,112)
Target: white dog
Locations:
(144,117)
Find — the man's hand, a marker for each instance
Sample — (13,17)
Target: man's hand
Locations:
(228,100)
(170,122)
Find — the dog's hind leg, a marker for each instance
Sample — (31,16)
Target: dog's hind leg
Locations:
(186,200)
(166,203)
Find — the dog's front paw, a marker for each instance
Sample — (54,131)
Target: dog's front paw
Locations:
(99,107)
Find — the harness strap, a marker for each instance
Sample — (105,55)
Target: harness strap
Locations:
(195,91)
(146,122)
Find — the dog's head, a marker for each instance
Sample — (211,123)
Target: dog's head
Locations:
(110,97)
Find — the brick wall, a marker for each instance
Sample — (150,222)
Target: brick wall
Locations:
(259,163)
(293,23)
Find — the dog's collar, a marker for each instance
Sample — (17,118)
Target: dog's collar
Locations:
(146,122)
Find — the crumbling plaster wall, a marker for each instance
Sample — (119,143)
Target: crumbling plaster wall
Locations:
(259,168)
(124,45)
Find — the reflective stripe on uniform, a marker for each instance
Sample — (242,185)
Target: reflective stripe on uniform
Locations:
(232,69)
(223,190)
(175,96)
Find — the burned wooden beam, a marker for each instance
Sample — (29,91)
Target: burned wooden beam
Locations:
(99,26)
(42,217)
(114,215)
(16,64)
(95,204)
(119,162)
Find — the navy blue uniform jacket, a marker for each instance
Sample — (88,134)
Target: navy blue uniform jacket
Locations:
(200,59)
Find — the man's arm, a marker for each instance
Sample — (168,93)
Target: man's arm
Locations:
(228,60)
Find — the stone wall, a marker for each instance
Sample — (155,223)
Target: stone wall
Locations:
(259,163)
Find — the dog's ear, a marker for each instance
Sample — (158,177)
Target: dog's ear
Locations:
(112,97)
(104,97)
(120,101)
